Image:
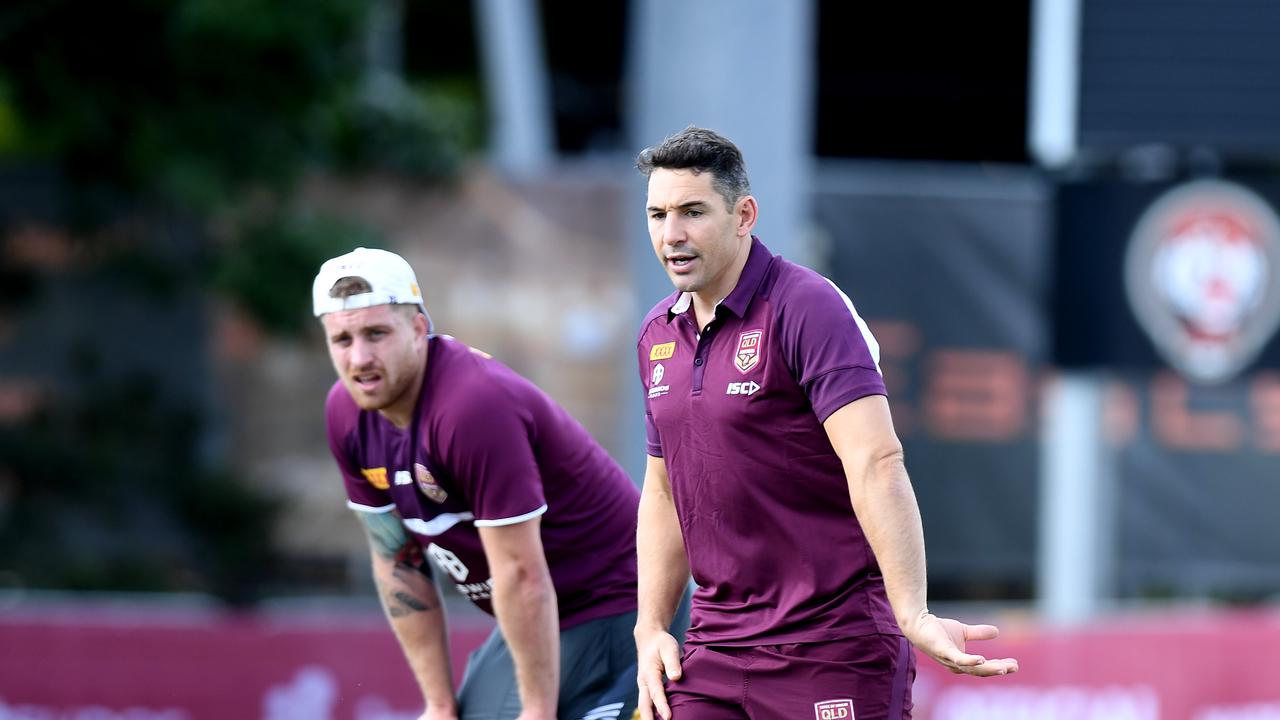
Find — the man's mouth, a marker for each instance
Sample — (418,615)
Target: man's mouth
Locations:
(680,261)
(366,381)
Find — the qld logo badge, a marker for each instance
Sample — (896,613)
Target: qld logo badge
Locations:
(427,484)
(1201,277)
(747,356)
(833,710)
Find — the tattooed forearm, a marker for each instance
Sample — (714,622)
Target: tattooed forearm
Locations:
(402,604)
(386,534)
(400,569)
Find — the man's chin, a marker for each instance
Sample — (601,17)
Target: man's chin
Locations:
(365,401)
(683,283)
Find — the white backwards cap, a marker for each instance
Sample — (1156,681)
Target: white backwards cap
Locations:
(390,278)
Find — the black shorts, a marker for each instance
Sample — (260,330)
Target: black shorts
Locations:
(597,674)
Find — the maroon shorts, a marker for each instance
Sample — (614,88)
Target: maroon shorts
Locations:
(861,678)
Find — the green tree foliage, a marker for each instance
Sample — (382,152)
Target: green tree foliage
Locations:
(200,104)
(172,117)
(290,246)
(193,100)
(186,99)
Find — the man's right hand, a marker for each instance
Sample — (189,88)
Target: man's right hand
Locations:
(657,657)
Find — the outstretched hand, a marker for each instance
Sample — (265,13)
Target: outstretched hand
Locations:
(943,639)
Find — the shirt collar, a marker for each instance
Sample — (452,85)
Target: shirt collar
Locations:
(681,304)
(758,259)
(749,281)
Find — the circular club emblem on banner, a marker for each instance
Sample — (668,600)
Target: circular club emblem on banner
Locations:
(1201,277)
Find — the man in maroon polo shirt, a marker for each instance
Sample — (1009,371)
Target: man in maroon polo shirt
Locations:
(448,454)
(774,476)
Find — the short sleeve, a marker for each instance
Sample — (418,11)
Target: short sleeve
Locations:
(652,443)
(488,449)
(366,487)
(829,348)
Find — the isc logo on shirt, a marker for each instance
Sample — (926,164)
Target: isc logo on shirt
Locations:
(742,388)
(833,710)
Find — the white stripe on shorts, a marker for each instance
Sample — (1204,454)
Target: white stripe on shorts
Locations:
(604,711)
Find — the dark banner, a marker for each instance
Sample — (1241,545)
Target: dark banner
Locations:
(1178,74)
(1198,485)
(1173,290)
(974,284)
(949,272)
(1200,255)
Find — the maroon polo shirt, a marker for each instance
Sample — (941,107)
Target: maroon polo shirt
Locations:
(487,447)
(736,412)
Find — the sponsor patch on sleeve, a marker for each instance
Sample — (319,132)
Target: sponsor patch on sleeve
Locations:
(663,351)
(377,477)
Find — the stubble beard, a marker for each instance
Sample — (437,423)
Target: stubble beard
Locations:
(388,394)
(689,285)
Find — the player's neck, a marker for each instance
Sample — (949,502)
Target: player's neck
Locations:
(706,300)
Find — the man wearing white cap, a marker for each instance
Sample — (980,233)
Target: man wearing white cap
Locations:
(448,454)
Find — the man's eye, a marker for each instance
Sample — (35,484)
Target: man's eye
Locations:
(657,216)
(694,213)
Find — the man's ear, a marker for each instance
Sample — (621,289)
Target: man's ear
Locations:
(747,212)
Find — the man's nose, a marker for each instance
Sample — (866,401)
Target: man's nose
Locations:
(361,353)
(673,230)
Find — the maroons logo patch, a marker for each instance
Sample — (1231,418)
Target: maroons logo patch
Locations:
(427,484)
(1201,274)
(747,356)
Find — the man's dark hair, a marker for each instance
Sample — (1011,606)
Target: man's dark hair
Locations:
(348,286)
(700,150)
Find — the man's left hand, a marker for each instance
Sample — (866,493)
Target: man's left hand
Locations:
(944,639)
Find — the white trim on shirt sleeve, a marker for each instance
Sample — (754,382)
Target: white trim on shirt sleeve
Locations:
(872,345)
(511,520)
(369,509)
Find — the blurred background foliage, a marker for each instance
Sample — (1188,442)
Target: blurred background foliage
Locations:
(113,497)
(194,114)
(192,101)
